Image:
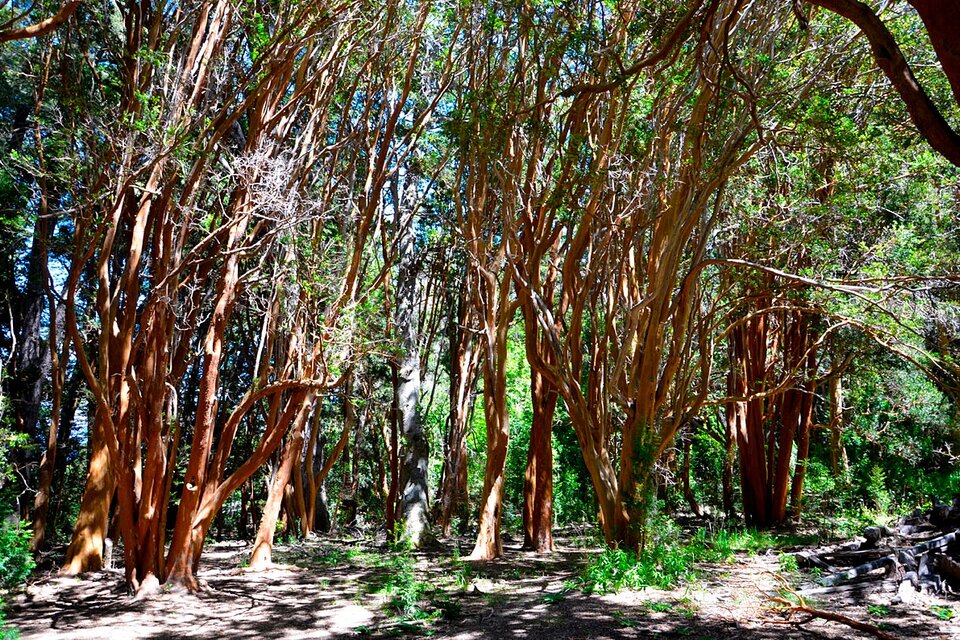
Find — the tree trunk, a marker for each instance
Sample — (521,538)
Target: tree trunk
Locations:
(746,376)
(838,455)
(261,556)
(393,453)
(688,495)
(85,552)
(489,544)
(415,505)
(463,363)
(803,435)
(538,478)
(31,359)
(48,461)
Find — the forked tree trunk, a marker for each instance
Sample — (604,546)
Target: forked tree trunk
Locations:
(769,425)
(747,345)
(262,555)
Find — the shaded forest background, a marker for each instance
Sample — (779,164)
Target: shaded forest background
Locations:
(272,269)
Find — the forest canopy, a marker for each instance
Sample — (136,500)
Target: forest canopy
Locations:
(428,268)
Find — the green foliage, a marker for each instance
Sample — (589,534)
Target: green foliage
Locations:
(878,610)
(665,564)
(672,560)
(788,563)
(942,612)
(16,560)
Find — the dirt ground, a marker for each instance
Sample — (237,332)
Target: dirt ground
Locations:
(341,588)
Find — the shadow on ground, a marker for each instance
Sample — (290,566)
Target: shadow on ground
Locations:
(336,591)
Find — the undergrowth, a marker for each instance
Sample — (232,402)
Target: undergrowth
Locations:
(16,563)
(670,560)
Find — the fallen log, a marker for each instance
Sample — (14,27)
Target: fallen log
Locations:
(948,567)
(871,586)
(906,556)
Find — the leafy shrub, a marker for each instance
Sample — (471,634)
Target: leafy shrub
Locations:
(665,564)
(16,561)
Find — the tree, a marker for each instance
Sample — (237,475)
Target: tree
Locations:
(941,21)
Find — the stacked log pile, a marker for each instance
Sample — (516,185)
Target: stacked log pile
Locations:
(921,553)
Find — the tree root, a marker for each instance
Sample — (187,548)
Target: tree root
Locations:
(790,602)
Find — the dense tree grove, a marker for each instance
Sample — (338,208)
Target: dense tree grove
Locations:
(425,267)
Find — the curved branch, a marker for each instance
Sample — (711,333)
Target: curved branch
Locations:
(43,27)
(925,115)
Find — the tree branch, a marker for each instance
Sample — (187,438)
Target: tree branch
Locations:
(925,115)
(43,27)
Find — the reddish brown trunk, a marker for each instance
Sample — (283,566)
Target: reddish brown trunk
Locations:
(489,544)
(464,360)
(85,552)
(538,480)
(803,435)
(745,417)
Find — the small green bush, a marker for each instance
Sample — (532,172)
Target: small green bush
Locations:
(16,561)
(662,565)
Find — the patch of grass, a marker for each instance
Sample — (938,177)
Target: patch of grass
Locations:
(878,610)
(337,556)
(943,613)
(682,607)
(462,575)
(788,563)
(623,620)
(402,588)
(665,564)
(7,632)
(557,596)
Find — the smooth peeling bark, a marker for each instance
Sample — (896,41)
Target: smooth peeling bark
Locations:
(791,411)
(489,544)
(262,555)
(183,546)
(183,562)
(538,479)
(803,436)
(538,476)
(745,417)
(453,490)
(85,552)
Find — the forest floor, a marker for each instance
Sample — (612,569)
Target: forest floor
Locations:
(354,588)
